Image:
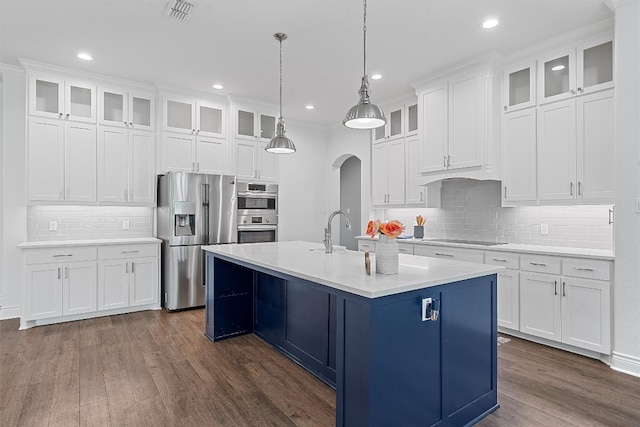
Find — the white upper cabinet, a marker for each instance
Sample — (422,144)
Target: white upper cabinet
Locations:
(457,124)
(576,159)
(519,86)
(61,161)
(387,181)
(394,128)
(254,122)
(412,120)
(126,108)
(204,149)
(60,98)
(519,154)
(414,193)
(576,70)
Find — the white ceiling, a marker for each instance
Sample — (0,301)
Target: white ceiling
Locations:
(231,42)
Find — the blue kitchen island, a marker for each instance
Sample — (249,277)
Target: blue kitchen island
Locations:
(418,348)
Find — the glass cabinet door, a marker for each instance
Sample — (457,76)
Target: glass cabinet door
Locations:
(595,66)
(246,123)
(519,86)
(412,119)
(557,77)
(141,111)
(210,119)
(80,102)
(179,116)
(46,97)
(267,126)
(395,123)
(112,107)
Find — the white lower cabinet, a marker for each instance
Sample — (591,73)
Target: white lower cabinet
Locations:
(128,276)
(571,308)
(70,283)
(509,299)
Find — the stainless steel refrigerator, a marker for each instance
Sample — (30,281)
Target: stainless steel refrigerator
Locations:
(193,210)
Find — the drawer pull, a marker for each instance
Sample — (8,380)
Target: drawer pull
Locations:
(441,254)
(582,269)
(130,252)
(538,264)
(56,256)
(564,289)
(500,260)
(555,287)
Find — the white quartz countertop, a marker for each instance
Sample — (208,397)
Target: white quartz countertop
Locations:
(344,270)
(514,247)
(88,242)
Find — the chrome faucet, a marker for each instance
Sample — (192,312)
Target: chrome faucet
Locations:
(328,244)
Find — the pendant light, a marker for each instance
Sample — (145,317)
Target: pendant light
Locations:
(280,144)
(364,115)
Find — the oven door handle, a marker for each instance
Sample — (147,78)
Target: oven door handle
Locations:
(258,195)
(257,227)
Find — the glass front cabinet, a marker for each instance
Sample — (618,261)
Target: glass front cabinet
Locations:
(519,86)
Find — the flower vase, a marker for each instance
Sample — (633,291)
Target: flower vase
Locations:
(386,256)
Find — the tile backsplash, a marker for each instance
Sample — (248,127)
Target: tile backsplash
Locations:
(88,222)
(472,210)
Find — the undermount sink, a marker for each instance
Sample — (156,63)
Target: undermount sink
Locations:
(466,242)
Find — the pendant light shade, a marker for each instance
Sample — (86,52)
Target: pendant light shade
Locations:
(280,144)
(364,115)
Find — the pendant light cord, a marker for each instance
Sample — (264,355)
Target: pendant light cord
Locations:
(281,77)
(364,28)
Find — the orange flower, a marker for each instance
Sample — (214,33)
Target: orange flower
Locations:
(372,228)
(391,229)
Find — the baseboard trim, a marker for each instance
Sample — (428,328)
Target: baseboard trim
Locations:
(626,364)
(10,312)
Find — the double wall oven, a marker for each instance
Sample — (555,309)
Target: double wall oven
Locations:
(257,212)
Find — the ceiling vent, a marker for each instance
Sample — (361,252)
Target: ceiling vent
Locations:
(179,9)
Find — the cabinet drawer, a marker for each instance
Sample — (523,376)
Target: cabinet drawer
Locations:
(366,245)
(468,255)
(405,248)
(504,259)
(51,255)
(540,264)
(586,268)
(127,251)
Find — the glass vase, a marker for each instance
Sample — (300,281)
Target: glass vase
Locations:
(386,256)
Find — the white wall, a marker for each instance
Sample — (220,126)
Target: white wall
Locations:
(14,211)
(626,291)
(302,184)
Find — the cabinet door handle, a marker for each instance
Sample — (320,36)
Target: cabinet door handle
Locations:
(555,287)
(582,269)
(66,272)
(61,255)
(193,166)
(505,191)
(499,260)
(125,123)
(579,188)
(610,216)
(132,266)
(505,108)
(449,161)
(67,115)
(421,196)
(538,264)
(571,189)
(443,254)
(59,273)
(126,267)
(198,165)
(60,114)
(444,161)
(564,289)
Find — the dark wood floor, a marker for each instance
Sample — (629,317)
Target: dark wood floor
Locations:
(158,369)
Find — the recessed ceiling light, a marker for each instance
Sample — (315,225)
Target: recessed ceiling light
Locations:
(557,68)
(85,56)
(376,76)
(218,86)
(490,23)
(309,107)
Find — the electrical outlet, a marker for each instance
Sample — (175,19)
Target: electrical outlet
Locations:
(53,225)
(125,224)
(544,229)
